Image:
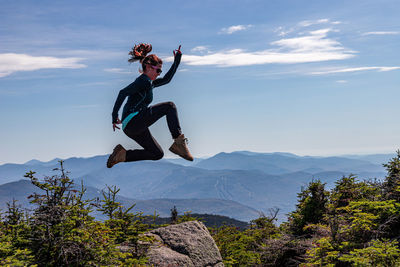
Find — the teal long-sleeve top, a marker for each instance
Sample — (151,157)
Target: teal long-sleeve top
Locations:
(140,92)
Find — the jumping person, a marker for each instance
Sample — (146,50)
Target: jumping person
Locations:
(137,115)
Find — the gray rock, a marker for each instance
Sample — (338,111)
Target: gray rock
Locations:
(164,256)
(185,244)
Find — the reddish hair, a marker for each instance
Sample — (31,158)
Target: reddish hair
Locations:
(140,51)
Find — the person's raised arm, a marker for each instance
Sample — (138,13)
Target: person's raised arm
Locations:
(168,76)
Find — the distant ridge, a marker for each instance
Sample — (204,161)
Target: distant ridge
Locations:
(249,153)
(38,162)
(257,180)
(373,158)
(20,190)
(280,163)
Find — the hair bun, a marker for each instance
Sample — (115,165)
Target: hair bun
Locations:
(139,52)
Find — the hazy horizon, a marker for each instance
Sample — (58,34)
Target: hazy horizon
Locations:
(205,157)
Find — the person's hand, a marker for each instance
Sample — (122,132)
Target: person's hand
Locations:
(177,51)
(115,125)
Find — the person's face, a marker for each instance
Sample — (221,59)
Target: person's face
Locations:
(153,71)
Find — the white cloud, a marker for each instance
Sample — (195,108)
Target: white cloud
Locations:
(381,33)
(282,32)
(117,70)
(199,48)
(307,23)
(10,63)
(235,28)
(341,81)
(315,41)
(313,47)
(344,70)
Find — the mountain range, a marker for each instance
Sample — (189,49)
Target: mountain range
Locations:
(252,181)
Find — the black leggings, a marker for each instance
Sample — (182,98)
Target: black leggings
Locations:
(138,130)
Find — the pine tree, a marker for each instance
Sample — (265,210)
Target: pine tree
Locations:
(62,231)
(311,207)
(392,181)
(174,215)
(127,228)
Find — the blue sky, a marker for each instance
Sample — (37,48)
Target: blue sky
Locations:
(307,77)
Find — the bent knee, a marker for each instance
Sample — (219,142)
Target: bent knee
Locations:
(171,105)
(158,155)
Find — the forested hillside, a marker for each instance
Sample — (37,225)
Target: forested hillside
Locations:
(357,223)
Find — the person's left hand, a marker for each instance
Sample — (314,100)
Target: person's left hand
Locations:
(177,51)
(115,125)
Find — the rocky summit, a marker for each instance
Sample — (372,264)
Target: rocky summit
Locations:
(185,244)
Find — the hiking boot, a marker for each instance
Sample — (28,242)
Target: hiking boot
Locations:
(118,155)
(180,148)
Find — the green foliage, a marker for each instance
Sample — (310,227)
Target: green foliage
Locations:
(392,181)
(311,207)
(347,189)
(379,253)
(186,217)
(10,254)
(126,228)
(16,224)
(357,215)
(357,223)
(262,244)
(18,257)
(344,227)
(237,248)
(391,191)
(14,230)
(61,232)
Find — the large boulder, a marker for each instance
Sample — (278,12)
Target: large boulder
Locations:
(186,244)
